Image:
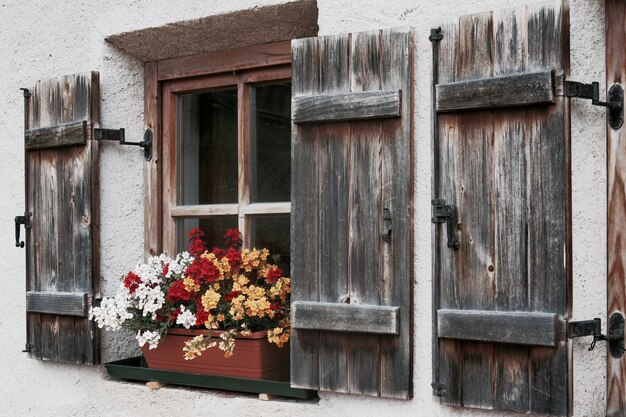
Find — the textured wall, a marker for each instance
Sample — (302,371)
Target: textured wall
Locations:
(40,39)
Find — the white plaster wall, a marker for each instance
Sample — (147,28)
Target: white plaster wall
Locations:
(41,39)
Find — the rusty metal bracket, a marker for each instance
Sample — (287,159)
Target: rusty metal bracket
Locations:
(615,336)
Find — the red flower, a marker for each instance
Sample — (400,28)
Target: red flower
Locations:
(166,268)
(201,315)
(273,274)
(229,296)
(196,245)
(233,238)
(195,233)
(177,292)
(234,258)
(203,271)
(132,281)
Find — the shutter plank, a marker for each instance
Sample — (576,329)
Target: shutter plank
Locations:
(514,90)
(69,134)
(502,227)
(61,303)
(304,220)
(396,355)
(61,195)
(345,317)
(333,148)
(365,214)
(345,106)
(615,13)
(499,326)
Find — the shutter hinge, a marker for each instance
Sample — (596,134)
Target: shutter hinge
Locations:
(28,347)
(592,91)
(119,135)
(439,389)
(25,220)
(435,35)
(615,336)
(443,212)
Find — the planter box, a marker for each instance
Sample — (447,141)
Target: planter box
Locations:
(253,357)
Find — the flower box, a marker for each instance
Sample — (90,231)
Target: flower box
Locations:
(254,357)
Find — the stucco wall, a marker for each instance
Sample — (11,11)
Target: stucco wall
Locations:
(41,39)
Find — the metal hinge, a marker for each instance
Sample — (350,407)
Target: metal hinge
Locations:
(443,212)
(615,336)
(120,135)
(25,220)
(439,389)
(28,347)
(592,91)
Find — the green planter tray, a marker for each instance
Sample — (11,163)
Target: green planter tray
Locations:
(135,369)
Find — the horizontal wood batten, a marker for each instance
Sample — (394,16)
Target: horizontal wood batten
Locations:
(523,328)
(337,107)
(338,317)
(205,210)
(69,134)
(267,208)
(62,303)
(225,61)
(514,90)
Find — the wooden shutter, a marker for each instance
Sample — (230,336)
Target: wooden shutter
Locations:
(62,195)
(502,157)
(352,178)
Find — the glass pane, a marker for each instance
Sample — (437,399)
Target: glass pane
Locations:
(207,147)
(272,232)
(270,142)
(214,229)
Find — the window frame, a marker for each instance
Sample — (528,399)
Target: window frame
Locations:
(165,80)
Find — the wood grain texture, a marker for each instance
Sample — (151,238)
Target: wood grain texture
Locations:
(70,134)
(345,317)
(616,204)
(506,170)
(343,176)
(55,302)
(62,196)
(345,106)
(225,61)
(509,91)
(521,328)
(152,170)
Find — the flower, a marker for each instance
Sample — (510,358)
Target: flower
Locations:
(230,290)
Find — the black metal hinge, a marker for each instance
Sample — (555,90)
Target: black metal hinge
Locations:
(615,336)
(19,220)
(439,389)
(120,135)
(27,347)
(592,91)
(443,212)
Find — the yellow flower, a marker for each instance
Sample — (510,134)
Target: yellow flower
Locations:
(190,285)
(210,299)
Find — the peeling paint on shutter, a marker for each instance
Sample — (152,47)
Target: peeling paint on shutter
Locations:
(352,178)
(503,158)
(62,195)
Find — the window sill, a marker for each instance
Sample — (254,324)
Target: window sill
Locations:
(135,369)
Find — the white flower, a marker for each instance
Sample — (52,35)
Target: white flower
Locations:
(186,318)
(149,299)
(179,265)
(152,338)
(113,311)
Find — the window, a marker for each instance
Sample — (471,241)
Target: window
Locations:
(226,152)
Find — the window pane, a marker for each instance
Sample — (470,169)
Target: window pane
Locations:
(214,229)
(207,147)
(270,142)
(272,232)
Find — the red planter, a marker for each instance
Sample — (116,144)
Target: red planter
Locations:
(253,357)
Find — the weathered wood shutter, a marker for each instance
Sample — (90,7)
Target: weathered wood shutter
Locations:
(62,195)
(351,183)
(502,158)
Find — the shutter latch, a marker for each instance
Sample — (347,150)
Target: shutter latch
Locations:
(592,91)
(25,220)
(443,212)
(119,135)
(615,336)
